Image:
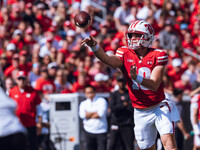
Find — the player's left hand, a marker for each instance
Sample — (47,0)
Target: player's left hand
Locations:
(133,73)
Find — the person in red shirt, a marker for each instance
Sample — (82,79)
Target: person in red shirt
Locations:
(23,61)
(17,39)
(80,84)
(101,83)
(43,20)
(10,51)
(176,70)
(28,38)
(11,70)
(143,69)
(44,84)
(27,105)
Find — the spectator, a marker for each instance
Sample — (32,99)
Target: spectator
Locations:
(80,84)
(11,70)
(121,120)
(9,84)
(144,12)
(169,39)
(44,84)
(181,133)
(176,70)
(190,72)
(10,51)
(34,74)
(28,101)
(4,62)
(45,49)
(28,15)
(53,53)
(194,117)
(71,39)
(196,85)
(61,82)
(184,84)
(42,19)
(23,61)
(93,112)
(132,17)
(121,13)
(46,60)
(17,39)
(52,68)
(100,83)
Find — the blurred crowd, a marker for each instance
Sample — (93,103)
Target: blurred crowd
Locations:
(39,37)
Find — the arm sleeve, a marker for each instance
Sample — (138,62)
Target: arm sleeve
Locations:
(102,107)
(120,53)
(82,114)
(161,58)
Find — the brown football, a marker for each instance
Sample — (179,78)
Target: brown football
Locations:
(82,19)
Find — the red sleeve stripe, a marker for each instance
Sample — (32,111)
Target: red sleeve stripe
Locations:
(161,57)
(163,60)
(119,55)
(119,52)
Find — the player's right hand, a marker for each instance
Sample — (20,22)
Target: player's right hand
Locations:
(89,41)
(133,73)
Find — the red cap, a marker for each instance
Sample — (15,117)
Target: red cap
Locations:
(23,52)
(21,74)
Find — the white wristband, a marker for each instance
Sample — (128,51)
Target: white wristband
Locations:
(139,79)
(196,129)
(95,48)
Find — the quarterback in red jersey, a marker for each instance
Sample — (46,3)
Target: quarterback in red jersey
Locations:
(143,68)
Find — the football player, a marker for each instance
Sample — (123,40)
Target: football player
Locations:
(143,69)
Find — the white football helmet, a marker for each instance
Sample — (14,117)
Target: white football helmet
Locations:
(143,28)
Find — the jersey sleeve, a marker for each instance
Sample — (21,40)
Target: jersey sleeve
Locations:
(120,53)
(161,58)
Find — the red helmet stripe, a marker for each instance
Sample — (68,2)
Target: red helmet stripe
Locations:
(133,24)
(136,23)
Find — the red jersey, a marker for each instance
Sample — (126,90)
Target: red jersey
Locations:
(27,102)
(142,97)
(45,86)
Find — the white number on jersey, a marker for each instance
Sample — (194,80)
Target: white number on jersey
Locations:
(145,73)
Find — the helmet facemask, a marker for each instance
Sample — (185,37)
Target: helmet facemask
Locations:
(137,42)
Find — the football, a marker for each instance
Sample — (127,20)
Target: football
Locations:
(82,19)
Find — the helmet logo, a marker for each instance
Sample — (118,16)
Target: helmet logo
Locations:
(149,28)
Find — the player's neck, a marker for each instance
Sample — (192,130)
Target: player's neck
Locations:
(141,52)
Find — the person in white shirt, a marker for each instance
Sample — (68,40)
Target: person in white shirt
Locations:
(93,112)
(12,132)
